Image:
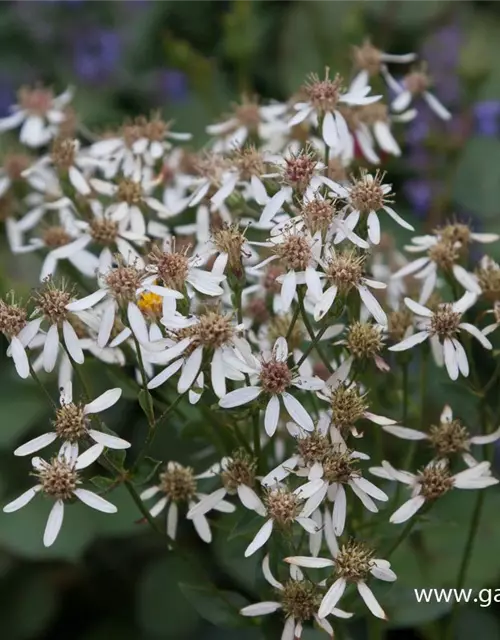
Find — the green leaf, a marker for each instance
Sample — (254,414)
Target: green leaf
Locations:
(221,608)
(147,469)
(146,402)
(473,621)
(22,406)
(104,483)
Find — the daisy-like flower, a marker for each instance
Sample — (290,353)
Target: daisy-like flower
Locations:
(366,196)
(297,598)
(143,141)
(443,326)
(72,424)
(179,488)
(353,563)
(14,325)
(415,84)
(53,306)
(283,508)
(177,271)
(444,250)
(370,61)
(447,438)
(432,482)
(492,327)
(192,339)
(322,99)
(487,274)
(275,377)
(342,273)
(238,477)
(248,119)
(119,288)
(12,170)
(39,114)
(59,480)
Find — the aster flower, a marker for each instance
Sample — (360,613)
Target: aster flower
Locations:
(370,61)
(433,482)
(416,83)
(353,563)
(492,327)
(283,508)
(59,480)
(237,475)
(297,598)
(179,487)
(275,377)
(210,336)
(20,332)
(443,326)
(72,424)
(447,438)
(343,272)
(39,114)
(321,107)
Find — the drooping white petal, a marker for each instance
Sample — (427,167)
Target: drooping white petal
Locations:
(20,358)
(373,227)
(339,511)
(104,401)
(288,289)
(297,411)
(137,323)
(250,499)
(239,397)
(405,433)
(260,609)
(329,131)
(107,440)
(271,415)
(476,333)
(36,444)
(371,602)
(260,539)
(87,302)
(51,348)
(268,575)
(407,510)
(72,342)
(397,218)
(410,342)
(372,304)
(325,302)
(89,456)
(417,308)
(190,370)
(206,504)
(22,500)
(411,267)
(54,523)
(331,597)
(450,358)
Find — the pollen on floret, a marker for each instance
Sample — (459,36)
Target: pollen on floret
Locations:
(275,376)
(171,266)
(323,94)
(71,423)
(364,340)
(348,406)
(104,231)
(55,236)
(151,304)
(354,561)
(435,480)
(231,240)
(129,191)
(345,269)
(449,437)
(367,57)
(445,321)
(283,506)
(239,470)
(63,152)
(299,169)
(318,214)
(367,193)
(178,482)
(58,478)
(51,301)
(445,253)
(249,162)
(339,466)
(417,81)
(295,251)
(300,599)
(398,323)
(314,447)
(13,317)
(488,276)
(124,280)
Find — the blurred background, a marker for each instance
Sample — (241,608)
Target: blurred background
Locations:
(108,577)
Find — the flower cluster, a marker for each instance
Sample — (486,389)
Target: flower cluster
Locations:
(251,280)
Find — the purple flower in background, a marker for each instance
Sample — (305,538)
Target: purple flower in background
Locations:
(420,194)
(173,85)
(96,54)
(487,118)
(7,96)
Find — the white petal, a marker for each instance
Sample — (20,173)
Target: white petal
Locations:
(411,267)
(78,181)
(326,301)
(410,342)
(339,511)
(260,539)
(96,502)
(492,437)
(309,562)
(450,358)
(369,488)
(370,600)
(308,524)
(397,218)
(466,279)
(373,305)
(104,401)
(297,412)
(137,323)
(280,349)
(417,308)
(271,416)
(20,358)
(268,575)
(373,227)
(54,523)
(407,510)
(329,131)
(239,396)
(405,433)
(22,500)
(51,348)
(112,442)
(436,106)
(289,630)
(89,456)
(72,343)
(260,609)
(288,289)
(463,363)
(331,597)
(87,302)
(251,500)
(190,370)
(206,504)
(474,331)
(273,206)
(147,494)
(36,444)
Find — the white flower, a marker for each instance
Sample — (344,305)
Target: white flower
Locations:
(178,484)
(39,113)
(432,482)
(414,84)
(448,437)
(342,272)
(351,561)
(210,334)
(283,508)
(320,108)
(443,326)
(275,378)
(19,332)
(290,596)
(71,424)
(237,475)
(59,479)
(371,61)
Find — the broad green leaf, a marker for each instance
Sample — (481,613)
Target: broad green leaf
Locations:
(221,608)
(147,469)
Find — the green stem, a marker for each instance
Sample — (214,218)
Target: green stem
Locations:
(41,385)
(296,314)
(405,393)
(375,631)
(401,538)
(149,398)
(314,338)
(312,344)
(142,508)
(256,436)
